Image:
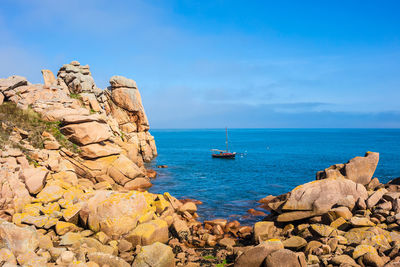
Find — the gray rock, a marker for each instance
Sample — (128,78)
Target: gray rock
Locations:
(71,68)
(82,83)
(121,81)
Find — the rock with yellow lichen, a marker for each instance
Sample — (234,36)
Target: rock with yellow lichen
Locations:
(114,213)
(148,233)
(65,227)
(153,255)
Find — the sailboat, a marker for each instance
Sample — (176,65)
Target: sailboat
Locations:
(224,154)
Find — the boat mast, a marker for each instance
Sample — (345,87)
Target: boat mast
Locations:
(226,132)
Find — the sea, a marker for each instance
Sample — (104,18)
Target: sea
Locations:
(269,162)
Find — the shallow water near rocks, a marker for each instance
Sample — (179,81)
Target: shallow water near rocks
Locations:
(274,161)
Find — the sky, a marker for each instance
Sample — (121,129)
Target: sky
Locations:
(212,64)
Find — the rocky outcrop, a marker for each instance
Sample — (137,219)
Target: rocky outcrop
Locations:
(49,78)
(77,78)
(54,215)
(12,82)
(358,169)
(120,104)
(342,219)
(125,105)
(101,123)
(318,197)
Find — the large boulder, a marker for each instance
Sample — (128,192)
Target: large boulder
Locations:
(318,197)
(284,258)
(139,183)
(127,98)
(358,169)
(97,150)
(361,169)
(120,81)
(48,78)
(124,94)
(264,230)
(87,133)
(12,82)
(113,213)
(155,255)
(34,178)
(149,233)
(13,190)
(255,256)
(123,170)
(19,240)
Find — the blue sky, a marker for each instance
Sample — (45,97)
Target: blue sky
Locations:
(207,64)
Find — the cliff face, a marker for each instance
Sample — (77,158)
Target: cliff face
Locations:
(108,127)
(72,176)
(120,102)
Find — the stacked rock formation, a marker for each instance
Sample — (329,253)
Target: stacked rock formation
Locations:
(76,78)
(107,135)
(344,218)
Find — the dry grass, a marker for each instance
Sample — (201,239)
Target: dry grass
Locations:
(30,121)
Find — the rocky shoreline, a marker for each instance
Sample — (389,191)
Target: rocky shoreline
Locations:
(73,193)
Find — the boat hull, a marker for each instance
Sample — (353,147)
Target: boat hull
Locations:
(224,155)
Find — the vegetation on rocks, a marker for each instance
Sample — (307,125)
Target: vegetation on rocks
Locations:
(32,125)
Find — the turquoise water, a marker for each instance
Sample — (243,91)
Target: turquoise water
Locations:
(274,161)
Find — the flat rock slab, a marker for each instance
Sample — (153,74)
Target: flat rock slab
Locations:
(71,119)
(98,150)
(87,132)
(59,114)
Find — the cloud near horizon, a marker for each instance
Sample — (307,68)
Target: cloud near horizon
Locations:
(206,66)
